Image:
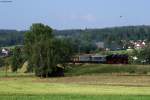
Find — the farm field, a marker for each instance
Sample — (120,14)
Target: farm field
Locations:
(81,86)
(15,88)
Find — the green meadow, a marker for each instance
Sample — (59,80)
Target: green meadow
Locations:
(96,85)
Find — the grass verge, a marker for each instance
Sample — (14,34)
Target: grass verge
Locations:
(75,97)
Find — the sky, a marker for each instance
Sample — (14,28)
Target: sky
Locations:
(74,14)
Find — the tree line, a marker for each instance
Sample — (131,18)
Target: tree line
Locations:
(112,37)
(11,37)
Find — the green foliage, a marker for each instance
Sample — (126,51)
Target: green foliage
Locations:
(1,62)
(36,41)
(10,37)
(143,55)
(43,51)
(16,59)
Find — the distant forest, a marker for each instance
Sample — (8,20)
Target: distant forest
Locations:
(11,37)
(112,37)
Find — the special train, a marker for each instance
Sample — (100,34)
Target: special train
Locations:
(107,59)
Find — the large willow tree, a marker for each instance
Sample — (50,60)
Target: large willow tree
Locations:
(43,51)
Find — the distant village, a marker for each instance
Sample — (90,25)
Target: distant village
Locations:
(127,46)
(5,52)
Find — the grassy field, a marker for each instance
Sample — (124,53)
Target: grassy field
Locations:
(97,85)
(90,69)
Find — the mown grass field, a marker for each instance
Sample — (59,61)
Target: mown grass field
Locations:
(97,85)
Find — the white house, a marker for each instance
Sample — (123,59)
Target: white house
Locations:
(5,52)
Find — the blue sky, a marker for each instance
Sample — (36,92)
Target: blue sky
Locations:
(74,14)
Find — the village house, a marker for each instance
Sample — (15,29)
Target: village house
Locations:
(139,44)
(136,44)
(4,52)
